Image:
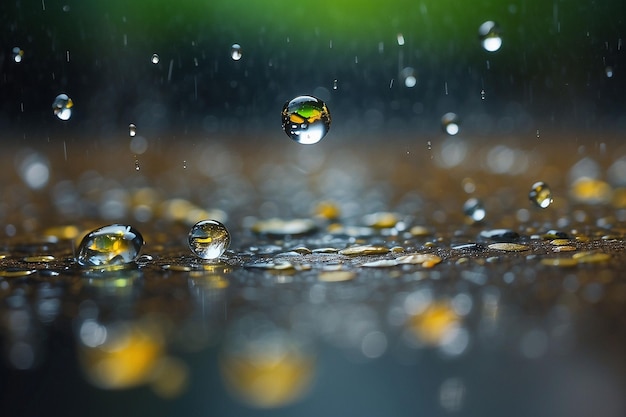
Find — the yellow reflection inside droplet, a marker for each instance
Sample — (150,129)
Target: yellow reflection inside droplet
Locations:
(434,323)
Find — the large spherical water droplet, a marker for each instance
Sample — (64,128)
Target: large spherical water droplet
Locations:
(450,123)
(116,244)
(489,34)
(474,210)
(62,107)
(540,194)
(235,52)
(208,239)
(306,119)
(155,59)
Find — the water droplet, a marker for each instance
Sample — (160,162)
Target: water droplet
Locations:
(306,119)
(450,123)
(62,107)
(184,164)
(400,39)
(116,244)
(409,77)
(132,130)
(137,167)
(540,194)
(208,239)
(429,145)
(334,84)
(235,52)
(608,70)
(18,54)
(489,34)
(482,94)
(155,59)
(474,209)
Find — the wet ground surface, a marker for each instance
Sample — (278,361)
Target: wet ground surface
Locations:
(355,283)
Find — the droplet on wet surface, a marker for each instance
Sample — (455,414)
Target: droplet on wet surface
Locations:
(474,210)
(450,123)
(540,194)
(501,235)
(235,52)
(489,35)
(62,107)
(116,244)
(209,239)
(306,119)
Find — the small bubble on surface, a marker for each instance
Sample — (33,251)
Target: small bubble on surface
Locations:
(474,210)
(540,194)
(235,52)
(62,107)
(116,244)
(155,59)
(450,123)
(306,119)
(208,239)
(489,34)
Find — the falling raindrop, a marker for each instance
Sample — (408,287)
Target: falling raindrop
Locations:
(334,84)
(62,107)
(474,210)
(608,70)
(409,77)
(450,123)
(18,54)
(208,239)
(306,119)
(111,245)
(482,94)
(132,130)
(540,194)
(155,59)
(235,52)
(489,34)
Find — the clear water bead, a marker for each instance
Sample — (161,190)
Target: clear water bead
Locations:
(235,52)
(18,54)
(409,77)
(306,119)
(116,244)
(208,239)
(540,194)
(450,123)
(489,35)
(62,107)
(155,59)
(474,209)
(132,130)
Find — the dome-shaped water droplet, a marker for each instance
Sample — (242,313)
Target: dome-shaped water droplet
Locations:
(155,59)
(116,244)
(235,52)
(62,107)
(474,209)
(450,123)
(540,194)
(489,34)
(208,239)
(306,119)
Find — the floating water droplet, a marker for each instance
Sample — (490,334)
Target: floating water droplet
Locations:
(409,77)
(306,119)
(474,209)
(482,94)
(155,59)
(334,84)
(18,54)
(540,194)
(62,107)
(400,39)
(208,239)
(132,130)
(235,52)
(137,167)
(608,70)
(489,34)
(116,244)
(450,123)
(184,164)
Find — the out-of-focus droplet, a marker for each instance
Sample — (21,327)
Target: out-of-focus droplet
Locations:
(400,39)
(306,119)
(450,123)
(489,34)
(208,239)
(112,245)
(235,52)
(335,84)
(474,210)
(18,54)
(482,94)
(155,59)
(540,194)
(62,107)
(409,77)
(608,70)
(34,169)
(132,130)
